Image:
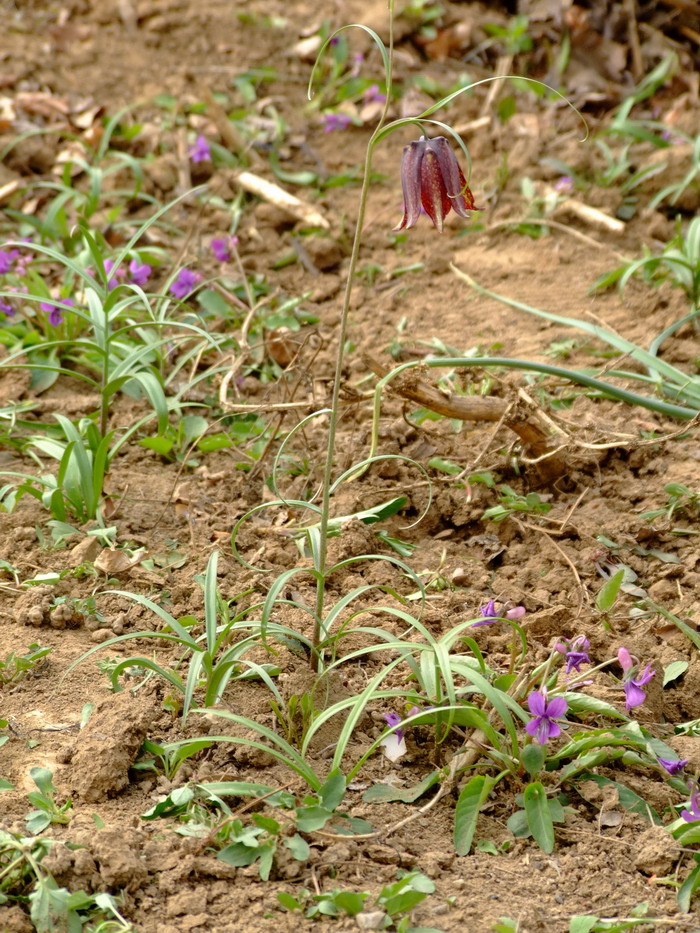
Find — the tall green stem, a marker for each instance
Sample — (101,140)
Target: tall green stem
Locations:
(340,356)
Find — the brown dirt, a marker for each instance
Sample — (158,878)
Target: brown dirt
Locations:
(173,883)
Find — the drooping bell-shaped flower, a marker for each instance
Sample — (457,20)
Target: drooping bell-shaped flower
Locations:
(432,179)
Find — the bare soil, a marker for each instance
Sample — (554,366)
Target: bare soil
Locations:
(617,460)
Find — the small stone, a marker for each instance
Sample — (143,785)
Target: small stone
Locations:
(84,552)
(370,920)
(270,215)
(101,634)
(656,851)
(323,252)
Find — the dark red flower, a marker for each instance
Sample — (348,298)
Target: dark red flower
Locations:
(432,179)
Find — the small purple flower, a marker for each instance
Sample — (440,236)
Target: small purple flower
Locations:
(199,151)
(140,272)
(55,314)
(394,744)
(633,682)
(432,180)
(490,614)
(7,260)
(576,652)
(393,719)
(542,727)
(673,767)
(113,280)
(6,308)
(373,95)
(692,813)
(184,283)
(221,247)
(336,121)
(564,184)
(357,60)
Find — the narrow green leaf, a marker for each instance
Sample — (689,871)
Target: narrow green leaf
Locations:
(687,889)
(467,810)
(674,670)
(609,591)
(539,817)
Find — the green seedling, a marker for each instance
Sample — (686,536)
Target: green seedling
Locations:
(52,909)
(682,502)
(48,811)
(393,901)
(512,502)
(14,666)
(537,817)
(210,661)
(175,442)
(295,716)
(678,263)
(167,759)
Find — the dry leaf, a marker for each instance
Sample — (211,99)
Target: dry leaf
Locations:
(113,560)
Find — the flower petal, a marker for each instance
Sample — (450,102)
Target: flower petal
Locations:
(532,726)
(635,695)
(644,677)
(410,182)
(554,730)
(394,747)
(557,706)
(456,188)
(537,703)
(625,659)
(433,193)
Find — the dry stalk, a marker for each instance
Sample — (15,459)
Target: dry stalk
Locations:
(522,417)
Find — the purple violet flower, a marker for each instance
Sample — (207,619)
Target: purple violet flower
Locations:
(199,150)
(692,813)
(393,719)
(113,280)
(432,179)
(373,95)
(490,614)
(394,745)
(221,247)
(576,652)
(633,681)
(6,308)
(55,314)
(184,283)
(673,767)
(542,727)
(563,184)
(7,260)
(140,272)
(336,121)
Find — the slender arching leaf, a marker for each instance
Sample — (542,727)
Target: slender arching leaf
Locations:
(386,61)
(150,665)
